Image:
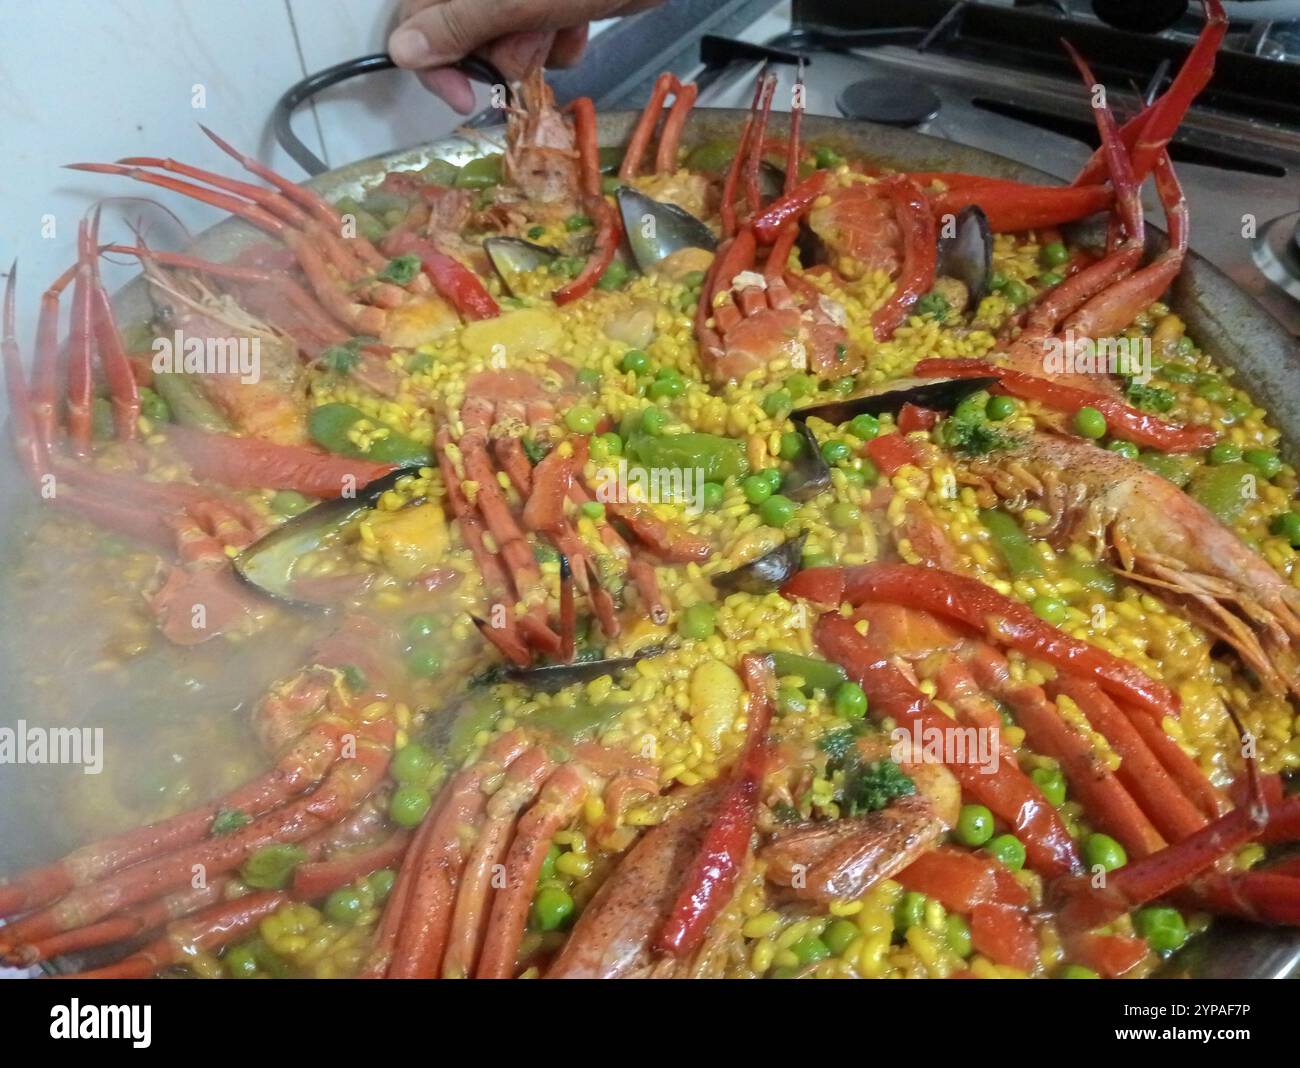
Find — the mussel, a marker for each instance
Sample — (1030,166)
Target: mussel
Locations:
(966,251)
(809,473)
(512,256)
(548,678)
(942,394)
(267,564)
(656,230)
(766,573)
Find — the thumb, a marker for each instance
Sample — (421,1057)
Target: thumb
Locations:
(446,32)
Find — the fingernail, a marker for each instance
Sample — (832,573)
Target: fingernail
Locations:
(410,48)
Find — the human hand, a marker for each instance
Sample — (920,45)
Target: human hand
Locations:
(511,34)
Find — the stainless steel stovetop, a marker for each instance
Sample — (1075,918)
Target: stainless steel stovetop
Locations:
(1245,206)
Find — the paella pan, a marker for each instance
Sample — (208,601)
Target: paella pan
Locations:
(685,544)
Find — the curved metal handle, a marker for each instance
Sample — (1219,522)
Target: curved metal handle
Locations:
(479,70)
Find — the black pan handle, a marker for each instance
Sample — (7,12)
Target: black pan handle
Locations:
(474,67)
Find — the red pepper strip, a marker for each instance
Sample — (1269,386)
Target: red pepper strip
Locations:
(250,463)
(451,278)
(314,880)
(889,452)
(608,234)
(959,880)
(913,417)
(1007,791)
(1011,208)
(1004,935)
(770,221)
(1007,622)
(920,255)
(1109,955)
(712,875)
(1283,821)
(1122,420)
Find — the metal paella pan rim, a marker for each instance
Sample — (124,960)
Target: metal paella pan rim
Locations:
(1225,320)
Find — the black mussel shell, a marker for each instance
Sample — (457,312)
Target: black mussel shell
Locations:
(941,394)
(809,473)
(548,678)
(514,255)
(769,572)
(267,564)
(967,253)
(673,228)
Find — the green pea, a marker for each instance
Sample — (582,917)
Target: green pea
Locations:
(800,385)
(835,452)
(1052,783)
(1049,279)
(772,476)
(593,510)
(712,495)
(844,386)
(1265,461)
(654,421)
(909,912)
(666,388)
(974,825)
(844,515)
(839,936)
(635,361)
(809,950)
(581,420)
(1125,448)
(588,378)
(792,445)
(606,446)
(1008,849)
(1225,452)
(1210,388)
(615,276)
(864,426)
(850,701)
(552,908)
(241,961)
(345,905)
(1078,971)
(854,476)
(1287,525)
(777,510)
(756,489)
(1101,850)
(423,661)
(412,763)
(818,560)
(534,232)
(997,280)
(1015,292)
(790,701)
(825,158)
(697,621)
(777,403)
(956,932)
(1238,410)
(693,279)
(1049,609)
(1090,423)
(289,503)
(577,222)
(408,805)
(381,883)
(421,627)
(1053,254)
(870,472)
(1162,927)
(999,408)
(153,407)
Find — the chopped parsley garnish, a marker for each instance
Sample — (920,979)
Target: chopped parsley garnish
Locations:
(973,437)
(340,359)
(534,450)
(870,787)
(1151,398)
(935,304)
(354,678)
(401,270)
(229,819)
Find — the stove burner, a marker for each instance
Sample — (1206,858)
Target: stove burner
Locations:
(894,101)
(1276,252)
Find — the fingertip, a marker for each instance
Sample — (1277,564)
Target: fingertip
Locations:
(451,86)
(409,48)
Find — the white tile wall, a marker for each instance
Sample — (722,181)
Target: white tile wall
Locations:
(95,80)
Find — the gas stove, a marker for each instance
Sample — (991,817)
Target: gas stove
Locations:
(993,75)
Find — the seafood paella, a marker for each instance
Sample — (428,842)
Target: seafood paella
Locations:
(685,559)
